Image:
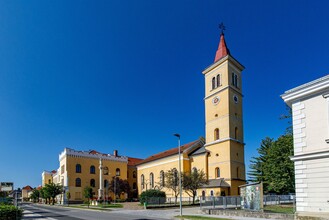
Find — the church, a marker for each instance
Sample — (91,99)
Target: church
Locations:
(221,154)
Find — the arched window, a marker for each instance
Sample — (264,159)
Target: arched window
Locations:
(151,180)
(218,80)
(203,195)
(194,170)
(106,184)
(78,182)
(236,133)
(216,134)
(117,172)
(217,172)
(134,174)
(92,169)
(213,83)
(78,168)
(236,80)
(233,79)
(49,181)
(92,183)
(105,170)
(134,186)
(142,181)
(162,178)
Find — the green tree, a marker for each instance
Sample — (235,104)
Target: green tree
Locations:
(44,194)
(88,193)
(52,190)
(172,182)
(119,186)
(35,195)
(257,164)
(193,181)
(279,169)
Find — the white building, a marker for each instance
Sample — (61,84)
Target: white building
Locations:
(310,115)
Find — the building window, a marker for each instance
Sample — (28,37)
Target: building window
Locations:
(216,134)
(194,170)
(151,180)
(142,181)
(211,193)
(117,172)
(78,168)
(213,83)
(92,183)
(105,170)
(218,80)
(162,178)
(237,172)
(92,169)
(217,172)
(62,169)
(203,195)
(78,182)
(235,80)
(134,186)
(134,174)
(106,184)
(236,133)
(49,181)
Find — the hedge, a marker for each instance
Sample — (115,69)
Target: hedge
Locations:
(10,212)
(151,193)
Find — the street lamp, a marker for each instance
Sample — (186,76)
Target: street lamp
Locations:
(180,175)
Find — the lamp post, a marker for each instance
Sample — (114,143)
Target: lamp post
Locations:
(180,175)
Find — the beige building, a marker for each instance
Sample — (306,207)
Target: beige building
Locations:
(310,111)
(26,192)
(78,169)
(221,154)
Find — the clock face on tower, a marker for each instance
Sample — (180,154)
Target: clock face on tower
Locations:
(215,100)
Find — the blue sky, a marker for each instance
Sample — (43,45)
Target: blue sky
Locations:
(126,75)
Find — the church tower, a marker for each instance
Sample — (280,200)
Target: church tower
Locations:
(224,121)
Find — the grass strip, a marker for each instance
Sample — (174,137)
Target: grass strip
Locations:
(196,217)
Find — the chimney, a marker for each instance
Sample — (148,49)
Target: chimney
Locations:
(115,153)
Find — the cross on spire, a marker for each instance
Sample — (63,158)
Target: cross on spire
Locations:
(222,27)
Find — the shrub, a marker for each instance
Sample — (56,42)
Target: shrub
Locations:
(151,193)
(10,212)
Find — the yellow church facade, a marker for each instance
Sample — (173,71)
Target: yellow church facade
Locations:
(221,154)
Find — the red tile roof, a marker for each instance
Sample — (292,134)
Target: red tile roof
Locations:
(168,153)
(222,50)
(27,188)
(133,161)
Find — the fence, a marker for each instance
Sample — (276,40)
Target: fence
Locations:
(279,199)
(220,202)
(170,201)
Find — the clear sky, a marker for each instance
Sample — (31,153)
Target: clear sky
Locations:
(126,75)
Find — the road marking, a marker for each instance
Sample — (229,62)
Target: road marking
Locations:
(29,214)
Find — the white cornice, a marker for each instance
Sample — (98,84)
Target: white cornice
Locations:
(74,153)
(223,140)
(310,156)
(317,86)
(222,60)
(222,89)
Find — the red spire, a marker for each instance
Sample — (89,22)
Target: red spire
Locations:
(222,50)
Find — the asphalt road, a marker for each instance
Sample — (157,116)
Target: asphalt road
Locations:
(32,211)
